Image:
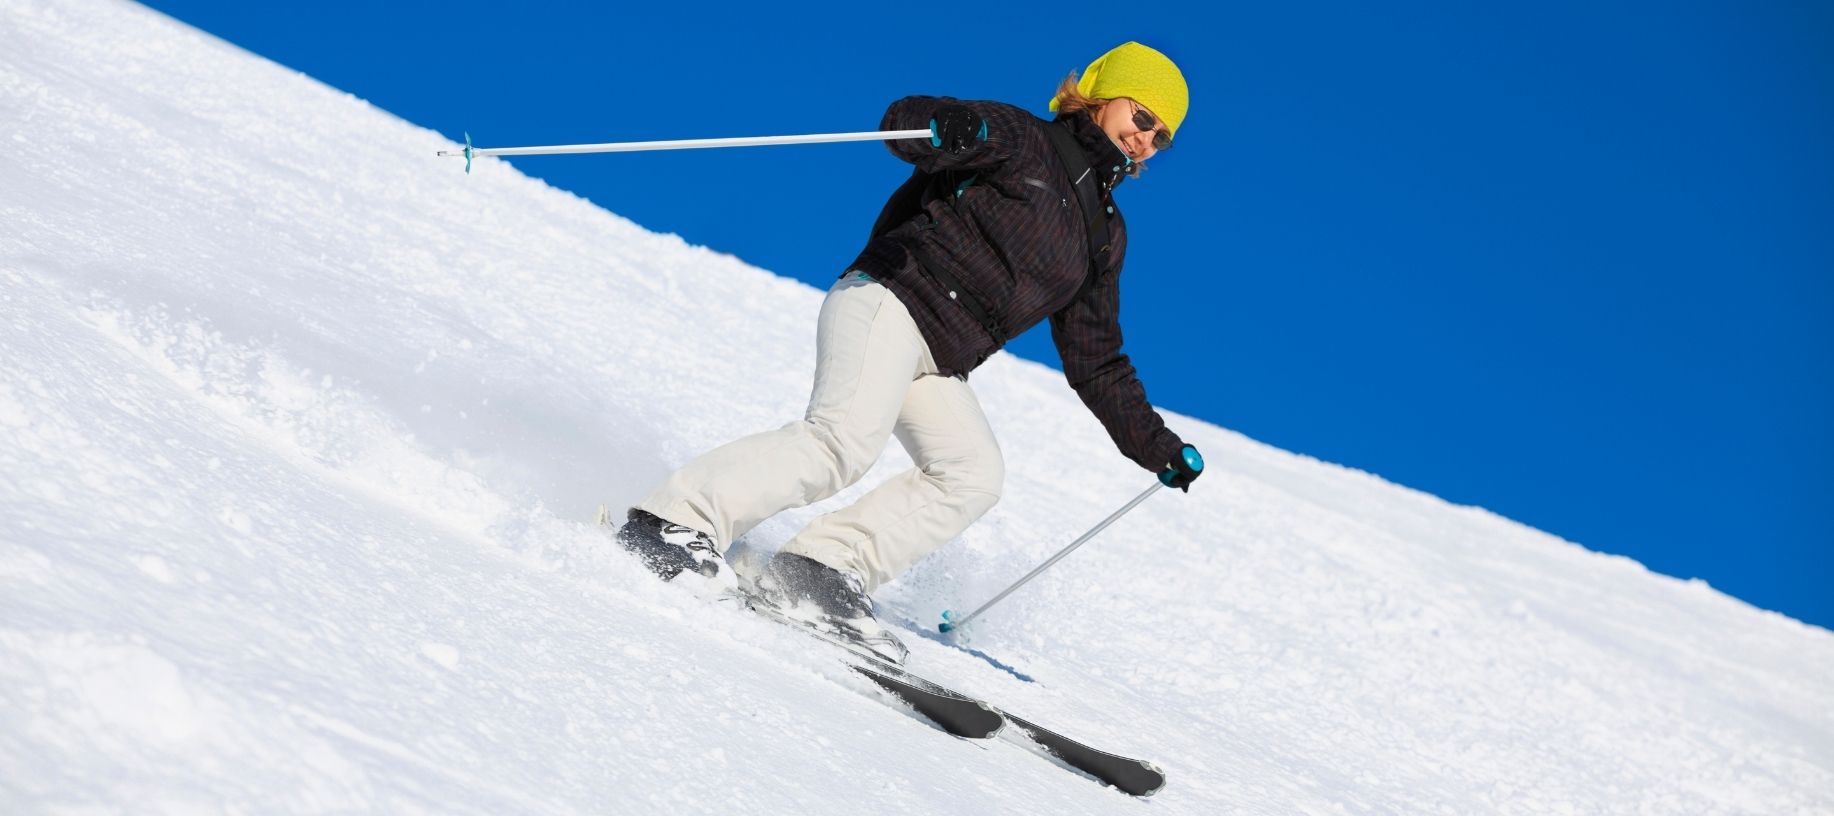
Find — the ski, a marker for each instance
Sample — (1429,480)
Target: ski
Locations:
(962,716)
(966,716)
(952,711)
(1134,776)
(1137,777)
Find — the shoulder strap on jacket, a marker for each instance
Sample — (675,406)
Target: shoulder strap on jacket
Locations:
(1088,195)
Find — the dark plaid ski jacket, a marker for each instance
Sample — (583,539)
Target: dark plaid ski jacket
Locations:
(1001,220)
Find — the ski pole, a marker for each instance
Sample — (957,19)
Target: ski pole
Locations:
(682,144)
(949,623)
(1192,460)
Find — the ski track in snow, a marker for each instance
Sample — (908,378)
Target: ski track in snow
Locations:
(302,431)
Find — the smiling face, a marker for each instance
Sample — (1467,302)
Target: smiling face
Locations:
(1116,119)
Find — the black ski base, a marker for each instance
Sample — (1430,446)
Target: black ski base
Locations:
(967,717)
(1134,776)
(962,716)
(955,713)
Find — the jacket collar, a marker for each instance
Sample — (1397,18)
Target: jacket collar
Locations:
(1108,161)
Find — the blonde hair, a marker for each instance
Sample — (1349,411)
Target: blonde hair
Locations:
(1070,100)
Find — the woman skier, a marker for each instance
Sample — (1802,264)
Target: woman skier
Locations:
(991,235)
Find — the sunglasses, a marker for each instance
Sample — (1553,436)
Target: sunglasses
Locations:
(1145,122)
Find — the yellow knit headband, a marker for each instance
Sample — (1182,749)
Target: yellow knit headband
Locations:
(1141,74)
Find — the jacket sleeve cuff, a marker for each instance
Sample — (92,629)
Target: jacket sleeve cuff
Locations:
(1166,449)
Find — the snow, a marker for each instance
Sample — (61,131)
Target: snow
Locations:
(302,432)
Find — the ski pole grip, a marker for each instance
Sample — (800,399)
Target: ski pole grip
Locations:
(1192,460)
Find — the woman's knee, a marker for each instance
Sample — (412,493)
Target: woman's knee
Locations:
(978,479)
(850,453)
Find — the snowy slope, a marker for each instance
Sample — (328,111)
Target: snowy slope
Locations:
(299,451)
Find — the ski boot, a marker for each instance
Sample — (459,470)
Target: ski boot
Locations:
(828,600)
(670,549)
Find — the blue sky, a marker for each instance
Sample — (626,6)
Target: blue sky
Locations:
(1571,262)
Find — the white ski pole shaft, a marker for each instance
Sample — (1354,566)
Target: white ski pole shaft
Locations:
(950,624)
(682,144)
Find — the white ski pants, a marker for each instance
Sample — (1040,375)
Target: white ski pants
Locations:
(873,377)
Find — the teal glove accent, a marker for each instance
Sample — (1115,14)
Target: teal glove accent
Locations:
(1182,473)
(955,128)
(963,187)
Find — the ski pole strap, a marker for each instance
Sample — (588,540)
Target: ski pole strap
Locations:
(1088,195)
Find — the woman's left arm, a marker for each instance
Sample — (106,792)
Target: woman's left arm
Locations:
(1088,337)
(1005,127)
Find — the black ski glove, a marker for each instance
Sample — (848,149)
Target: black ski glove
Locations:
(955,128)
(1180,473)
